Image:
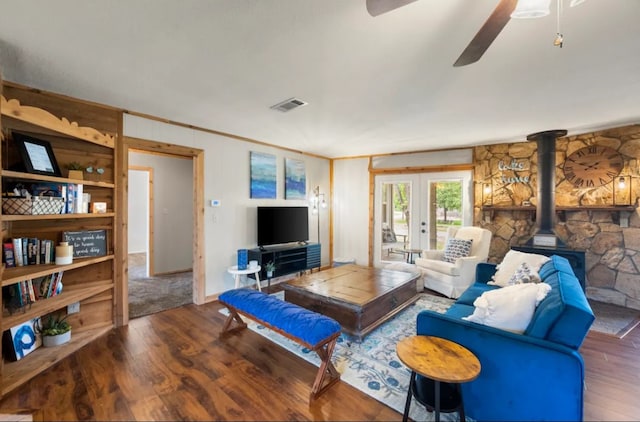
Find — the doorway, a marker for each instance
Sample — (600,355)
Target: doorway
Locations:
(195,208)
(413,211)
(160,235)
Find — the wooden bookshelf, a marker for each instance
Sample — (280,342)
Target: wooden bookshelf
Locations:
(87,281)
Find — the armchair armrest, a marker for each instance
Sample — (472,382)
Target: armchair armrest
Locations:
(467,266)
(516,371)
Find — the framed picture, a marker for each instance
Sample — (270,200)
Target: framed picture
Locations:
(37,155)
(295,184)
(19,341)
(263,175)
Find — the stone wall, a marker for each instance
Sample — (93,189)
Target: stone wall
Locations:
(505,178)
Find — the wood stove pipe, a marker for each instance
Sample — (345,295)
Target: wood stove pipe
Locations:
(545,211)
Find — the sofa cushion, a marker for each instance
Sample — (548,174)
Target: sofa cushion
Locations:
(456,248)
(473,292)
(459,310)
(509,308)
(512,261)
(564,316)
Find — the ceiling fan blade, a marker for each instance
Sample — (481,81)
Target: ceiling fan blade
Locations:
(489,31)
(378,7)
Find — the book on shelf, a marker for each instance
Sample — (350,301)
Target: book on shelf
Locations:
(17,251)
(9,256)
(32,251)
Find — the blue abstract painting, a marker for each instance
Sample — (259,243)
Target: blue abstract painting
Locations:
(263,175)
(295,182)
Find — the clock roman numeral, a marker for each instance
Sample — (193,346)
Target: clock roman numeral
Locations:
(590,183)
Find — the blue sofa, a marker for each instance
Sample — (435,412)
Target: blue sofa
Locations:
(537,375)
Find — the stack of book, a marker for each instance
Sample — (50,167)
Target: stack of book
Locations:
(25,292)
(22,251)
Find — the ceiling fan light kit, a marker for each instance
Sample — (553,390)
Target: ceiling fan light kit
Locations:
(527,9)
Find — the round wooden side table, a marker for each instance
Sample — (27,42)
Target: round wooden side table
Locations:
(439,360)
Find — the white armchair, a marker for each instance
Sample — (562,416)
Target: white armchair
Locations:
(453,278)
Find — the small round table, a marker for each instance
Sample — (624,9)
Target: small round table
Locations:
(410,254)
(439,360)
(237,273)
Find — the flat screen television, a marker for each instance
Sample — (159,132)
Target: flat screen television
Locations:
(278,225)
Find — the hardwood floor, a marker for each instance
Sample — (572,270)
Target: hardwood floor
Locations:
(172,366)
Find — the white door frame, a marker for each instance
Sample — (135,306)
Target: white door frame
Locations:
(419,210)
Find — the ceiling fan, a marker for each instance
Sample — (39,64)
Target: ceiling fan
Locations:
(491,28)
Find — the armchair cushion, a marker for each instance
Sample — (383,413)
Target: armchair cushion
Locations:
(456,248)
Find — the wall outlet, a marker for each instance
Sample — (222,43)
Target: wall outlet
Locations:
(73,308)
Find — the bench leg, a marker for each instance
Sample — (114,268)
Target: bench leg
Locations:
(326,368)
(233,314)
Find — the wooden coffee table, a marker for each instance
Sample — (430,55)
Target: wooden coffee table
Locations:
(359,298)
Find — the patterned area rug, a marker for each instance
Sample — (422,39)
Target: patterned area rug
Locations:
(373,366)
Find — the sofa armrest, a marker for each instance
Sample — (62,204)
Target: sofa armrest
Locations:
(516,372)
(484,272)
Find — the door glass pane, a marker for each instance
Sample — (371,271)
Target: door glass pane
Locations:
(396,220)
(446,210)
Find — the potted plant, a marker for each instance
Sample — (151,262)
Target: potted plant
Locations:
(270,267)
(75,170)
(55,330)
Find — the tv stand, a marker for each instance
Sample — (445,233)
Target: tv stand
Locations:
(289,259)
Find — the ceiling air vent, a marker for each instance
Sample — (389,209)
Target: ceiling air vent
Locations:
(288,105)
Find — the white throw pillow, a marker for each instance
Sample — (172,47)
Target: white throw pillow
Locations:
(512,261)
(524,274)
(510,308)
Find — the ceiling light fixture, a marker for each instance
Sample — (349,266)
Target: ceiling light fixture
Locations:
(559,38)
(527,9)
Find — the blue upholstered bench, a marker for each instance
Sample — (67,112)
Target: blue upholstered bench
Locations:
(310,329)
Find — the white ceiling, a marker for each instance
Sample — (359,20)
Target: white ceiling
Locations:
(374,85)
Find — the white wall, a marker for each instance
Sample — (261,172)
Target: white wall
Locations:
(172,210)
(351,209)
(226,177)
(138,225)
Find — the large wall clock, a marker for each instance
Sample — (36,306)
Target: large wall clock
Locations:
(593,166)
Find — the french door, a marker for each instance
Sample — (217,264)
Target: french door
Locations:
(413,211)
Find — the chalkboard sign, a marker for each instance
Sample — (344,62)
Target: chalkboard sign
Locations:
(87,242)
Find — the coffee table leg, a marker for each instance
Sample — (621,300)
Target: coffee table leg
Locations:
(437,400)
(407,405)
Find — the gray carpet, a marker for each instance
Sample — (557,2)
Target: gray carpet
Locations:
(613,320)
(148,295)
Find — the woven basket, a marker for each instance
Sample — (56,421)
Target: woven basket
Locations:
(36,205)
